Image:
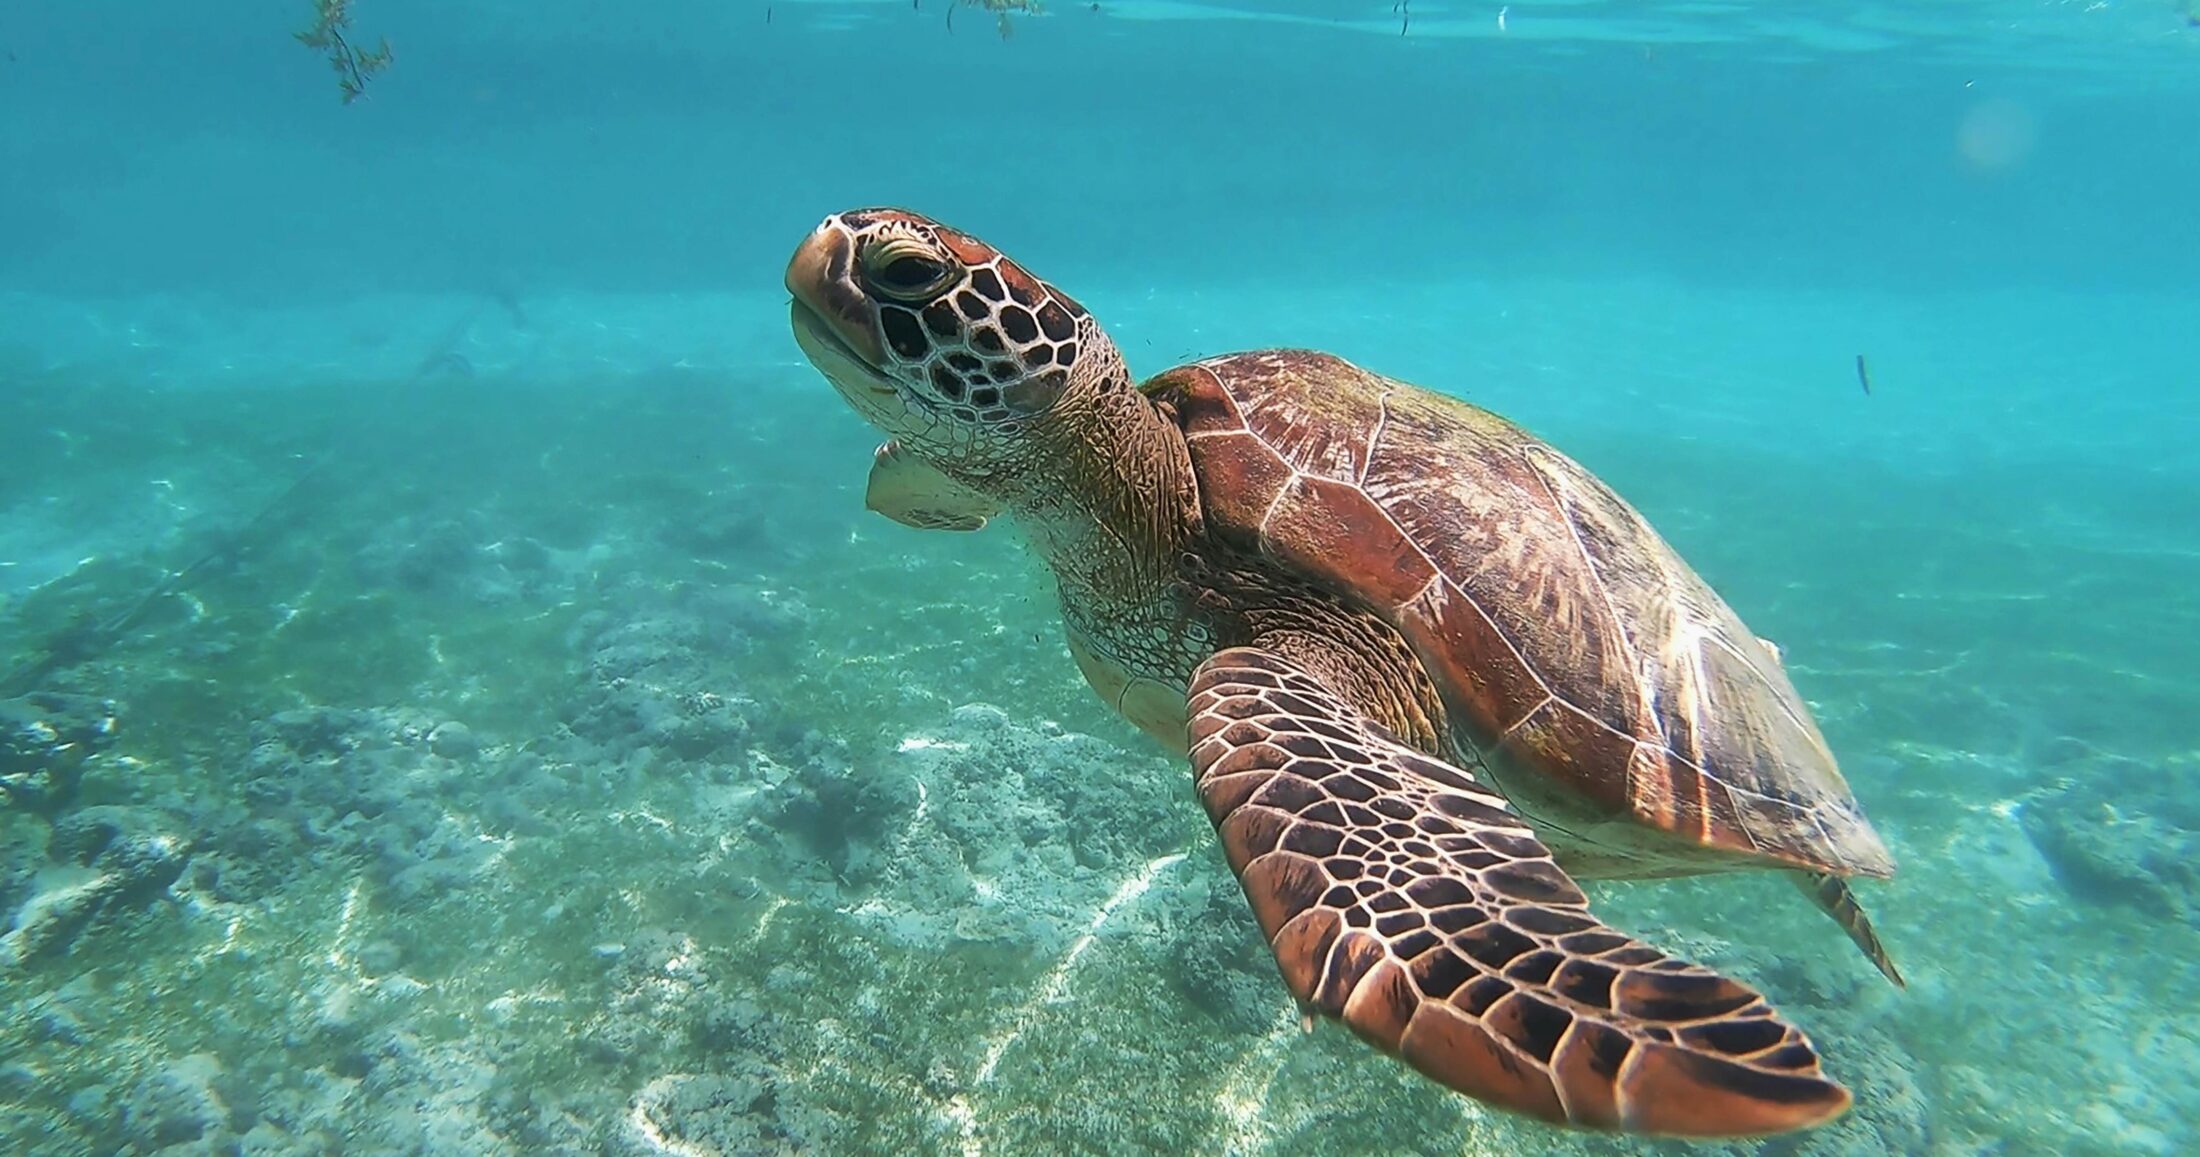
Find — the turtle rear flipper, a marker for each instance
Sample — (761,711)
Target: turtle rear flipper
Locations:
(1834,897)
(1403,898)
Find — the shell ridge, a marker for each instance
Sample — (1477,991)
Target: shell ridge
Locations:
(1647,687)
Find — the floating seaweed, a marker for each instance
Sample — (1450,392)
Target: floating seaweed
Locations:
(354,66)
(1001,9)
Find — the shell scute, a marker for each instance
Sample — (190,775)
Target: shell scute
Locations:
(1568,632)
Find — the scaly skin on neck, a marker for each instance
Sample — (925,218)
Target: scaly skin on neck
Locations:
(1112,503)
(1108,499)
(1106,496)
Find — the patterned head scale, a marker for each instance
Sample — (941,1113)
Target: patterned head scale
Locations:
(936,336)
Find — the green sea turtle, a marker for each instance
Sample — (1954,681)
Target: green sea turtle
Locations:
(1425,667)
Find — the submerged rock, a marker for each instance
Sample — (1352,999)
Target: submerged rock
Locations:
(104,861)
(177,1105)
(2123,837)
(655,683)
(45,737)
(459,555)
(731,1111)
(1218,959)
(63,903)
(454,741)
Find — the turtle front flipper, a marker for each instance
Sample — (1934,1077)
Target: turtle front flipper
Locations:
(1403,898)
(913,492)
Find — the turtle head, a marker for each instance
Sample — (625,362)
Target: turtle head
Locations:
(936,338)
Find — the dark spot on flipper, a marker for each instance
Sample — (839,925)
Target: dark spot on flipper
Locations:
(1282,885)
(1435,892)
(1679,996)
(1512,843)
(1530,1023)
(1411,945)
(1439,974)
(1392,925)
(1350,959)
(1586,981)
(1313,840)
(1351,785)
(1476,997)
(1388,900)
(1534,882)
(1460,1052)
(1457,918)
(1740,1036)
(1535,968)
(1326,811)
(1493,944)
(1549,921)
(1475,812)
(1799,1057)
(1593,942)
(1586,1070)
(1754,1083)
(1290,793)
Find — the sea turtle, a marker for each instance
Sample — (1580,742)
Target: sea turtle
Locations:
(1426,669)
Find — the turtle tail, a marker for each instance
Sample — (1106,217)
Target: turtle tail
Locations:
(1832,895)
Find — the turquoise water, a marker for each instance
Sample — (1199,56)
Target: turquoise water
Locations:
(456,702)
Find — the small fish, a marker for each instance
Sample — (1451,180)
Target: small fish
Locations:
(1863,375)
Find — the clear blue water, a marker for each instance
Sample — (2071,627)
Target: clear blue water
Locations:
(551,755)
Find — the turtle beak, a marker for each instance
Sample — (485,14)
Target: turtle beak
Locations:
(821,277)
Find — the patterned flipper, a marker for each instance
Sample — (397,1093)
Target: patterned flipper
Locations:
(1406,900)
(913,492)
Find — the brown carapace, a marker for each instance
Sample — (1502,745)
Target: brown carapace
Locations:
(1427,671)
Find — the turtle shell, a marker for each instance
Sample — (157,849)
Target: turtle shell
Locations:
(1588,670)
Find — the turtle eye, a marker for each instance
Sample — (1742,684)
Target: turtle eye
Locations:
(904,270)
